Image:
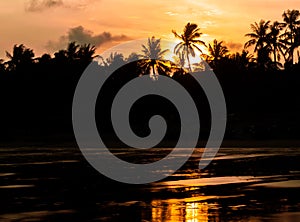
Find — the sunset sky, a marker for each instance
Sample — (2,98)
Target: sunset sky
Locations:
(47,25)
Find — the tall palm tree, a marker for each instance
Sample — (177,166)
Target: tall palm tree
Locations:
(297,43)
(274,42)
(291,22)
(259,39)
(152,58)
(189,41)
(258,36)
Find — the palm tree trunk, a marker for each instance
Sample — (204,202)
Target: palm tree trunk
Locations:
(188,59)
(283,54)
(292,49)
(153,69)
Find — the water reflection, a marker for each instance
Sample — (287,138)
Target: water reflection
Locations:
(248,185)
(196,212)
(172,210)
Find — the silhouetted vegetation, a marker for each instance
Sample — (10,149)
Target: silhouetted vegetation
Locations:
(261,89)
(189,42)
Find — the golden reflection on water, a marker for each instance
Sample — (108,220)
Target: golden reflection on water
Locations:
(174,210)
(196,212)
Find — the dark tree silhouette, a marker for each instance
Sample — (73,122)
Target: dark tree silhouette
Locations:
(217,51)
(86,53)
(243,60)
(72,51)
(259,39)
(36,93)
(291,20)
(114,60)
(133,57)
(153,62)
(2,66)
(258,36)
(20,57)
(275,44)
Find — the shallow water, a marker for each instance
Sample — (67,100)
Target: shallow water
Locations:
(241,184)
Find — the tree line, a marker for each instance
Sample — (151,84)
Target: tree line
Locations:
(275,44)
(261,89)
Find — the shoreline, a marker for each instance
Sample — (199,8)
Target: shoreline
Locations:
(48,143)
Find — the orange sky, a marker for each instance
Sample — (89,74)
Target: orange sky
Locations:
(45,25)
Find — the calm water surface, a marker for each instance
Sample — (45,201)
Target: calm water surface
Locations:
(241,184)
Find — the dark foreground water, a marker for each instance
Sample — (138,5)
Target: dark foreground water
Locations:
(57,184)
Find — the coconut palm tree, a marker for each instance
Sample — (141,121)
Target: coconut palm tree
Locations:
(72,51)
(292,23)
(86,53)
(243,60)
(133,57)
(217,50)
(290,18)
(189,41)
(259,39)
(297,42)
(258,36)
(2,66)
(152,60)
(114,60)
(21,56)
(274,42)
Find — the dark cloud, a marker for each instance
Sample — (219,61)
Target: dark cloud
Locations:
(234,46)
(83,36)
(40,5)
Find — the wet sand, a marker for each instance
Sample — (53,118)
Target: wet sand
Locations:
(241,184)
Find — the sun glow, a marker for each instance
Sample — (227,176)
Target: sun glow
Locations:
(171,56)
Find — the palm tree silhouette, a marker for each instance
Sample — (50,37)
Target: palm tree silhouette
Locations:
(114,60)
(61,56)
(217,50)
(243,60)
(259,38)
(132,57)
(86,52)
(72,51)
(274,42)
(153,58)
(21,56)
(2,66)
(292,23)
(297,42)
(189,41)
(259,35)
